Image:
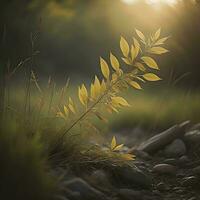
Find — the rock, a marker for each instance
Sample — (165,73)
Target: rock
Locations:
(140,154)
(192,137)
(128,194)
(100,179)
(189,181)
(158,141)
(165,169)
(86,191)
(132,176)
(162,187)
(195,127)
(184,160)
(170,161)
(176,149)
(61,198)
(196,170)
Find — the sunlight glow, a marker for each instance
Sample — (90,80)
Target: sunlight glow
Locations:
(153,2)
(129,2)
(169,2)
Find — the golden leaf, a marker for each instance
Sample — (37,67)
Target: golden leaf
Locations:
(83,94)
(66,110)
(119,101)
(150,62)
(135,85)
(124,46)
(113,143)
(92,92)
(128,156)
(114,62)
(60,114)
(151,77)
(161,41)
(71,105)
(140,34)
(118,147)
(158,50)
(157,34)
(104,68)
(127,61)
(137,47)
(97,87)
(140,66)
(103,86)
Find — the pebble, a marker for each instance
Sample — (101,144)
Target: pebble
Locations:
(162,187)
(165,169)
(189,181)
(132,176)
(171,161)
(196,170)
(86,191)
(184,159)
(176,149)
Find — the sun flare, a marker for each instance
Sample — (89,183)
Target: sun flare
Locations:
(129,2)
(152,2)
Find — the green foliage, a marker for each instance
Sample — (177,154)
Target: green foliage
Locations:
(23,168)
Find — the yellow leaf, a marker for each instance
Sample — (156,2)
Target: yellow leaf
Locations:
(80,96)
(92,91)
(83,94)
(71,105)
(124,46)
(113,143)
(119,101)
(118,147)
(104,68)
(66,110)
(128,156)
(114,62)
(150,62)
(161,41)
(157,34)
(158,50)
(127,61)
(151,77)
(133,52)
(103,86)
(137,46)
(114,77)
(140,66)
(140,34)
(60,114)
(97,87)
(135,85)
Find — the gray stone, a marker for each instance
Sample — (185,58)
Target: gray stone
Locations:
(133,176)
(184,160)
(128,194)
(165,169)
(196,170)
(61,198)
(159,141)
(86,191)
(162,187)
(195,127)
(171,161)
(192,137)
(176,149)
(100,179)
(189,181)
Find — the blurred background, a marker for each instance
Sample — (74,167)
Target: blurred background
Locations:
(74,33)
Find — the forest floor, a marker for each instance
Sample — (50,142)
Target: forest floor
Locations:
(167,167)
